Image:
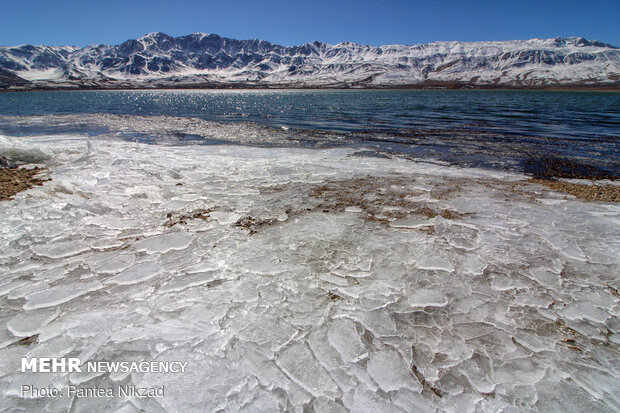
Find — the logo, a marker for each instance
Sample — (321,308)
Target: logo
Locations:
(74,364)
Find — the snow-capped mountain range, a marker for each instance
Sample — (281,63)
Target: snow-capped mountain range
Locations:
(208,60)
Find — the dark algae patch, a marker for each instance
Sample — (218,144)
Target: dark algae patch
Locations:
(552,168)
(592,192)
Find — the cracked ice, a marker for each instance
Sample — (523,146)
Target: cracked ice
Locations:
(307,280)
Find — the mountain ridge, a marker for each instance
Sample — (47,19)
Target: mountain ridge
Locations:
(158,60)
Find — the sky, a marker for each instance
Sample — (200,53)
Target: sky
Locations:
(84,22)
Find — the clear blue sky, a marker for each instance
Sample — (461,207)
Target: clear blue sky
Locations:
(83,22)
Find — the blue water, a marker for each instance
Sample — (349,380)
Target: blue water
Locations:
(579,125)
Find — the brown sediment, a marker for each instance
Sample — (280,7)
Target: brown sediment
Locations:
(252,224)
(174,218)
(383,199)
(370,194)
(380,199)
(15,180)
(592,192)
(450,189)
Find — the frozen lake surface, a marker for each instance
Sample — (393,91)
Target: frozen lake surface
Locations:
(305,280)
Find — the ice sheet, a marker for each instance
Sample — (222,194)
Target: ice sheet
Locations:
(297,279)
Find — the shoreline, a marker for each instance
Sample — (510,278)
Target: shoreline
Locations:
(615,88)
(16,179)
(478,148)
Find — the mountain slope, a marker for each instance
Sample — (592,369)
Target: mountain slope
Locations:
(199,59)
(8,79)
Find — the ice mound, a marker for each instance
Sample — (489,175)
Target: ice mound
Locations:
(14,153)
(28,323)
(343,336)
(137,273)
(59,294)
(427,298)
(60,249)
(164,243)
(307,280)
(387,369)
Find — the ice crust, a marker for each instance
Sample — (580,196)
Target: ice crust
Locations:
(164,243)
(307,280)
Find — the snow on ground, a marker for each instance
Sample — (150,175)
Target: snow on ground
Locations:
(306,280)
